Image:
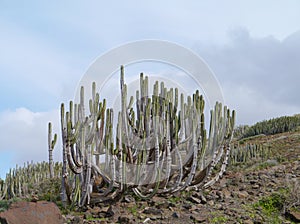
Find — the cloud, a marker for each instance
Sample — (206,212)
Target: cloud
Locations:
(259,76)
(24,136)
(34,72)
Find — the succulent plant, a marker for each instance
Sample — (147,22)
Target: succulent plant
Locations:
(161,146)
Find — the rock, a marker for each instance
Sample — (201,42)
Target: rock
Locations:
(203,199)
(176,215)
(272,162)
(264,177)
(88,215)
(223,182)
(153,218)
(255,186)
(23,212)
(242,194)
(102,214)
(294,216)
(172,205)
(198,218)
(124,219)
(194,207)
(219,206)
(153,211)
(211,202)
(253,181)
(77,220)
(187,206)
(34,198)
(128,199)
(248,221)
(194,200)
(112,210)
(220,195)
(226,193)
(155,200)
(95,211)
(162,205)
(243,187)
(146,220)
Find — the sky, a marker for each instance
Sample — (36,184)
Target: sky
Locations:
(253,48)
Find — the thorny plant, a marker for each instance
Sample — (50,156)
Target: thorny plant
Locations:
(158,147)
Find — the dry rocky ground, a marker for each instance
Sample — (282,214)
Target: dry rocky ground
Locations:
(255,192)
(259,191)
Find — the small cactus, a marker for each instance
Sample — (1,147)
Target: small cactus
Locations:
(51,145)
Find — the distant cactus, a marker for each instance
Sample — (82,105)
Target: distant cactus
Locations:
(249,153)
(273,126)
(19,181)
(159,147)
(51,144)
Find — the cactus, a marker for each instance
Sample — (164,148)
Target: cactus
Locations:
(249,153)
(21,181)
(51,144)
(273,126)
(160,147)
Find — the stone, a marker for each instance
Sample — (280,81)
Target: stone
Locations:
(112,210)
(23,212)
(146,220)
(163,205)
(128,199)
(223,182)
(194,207)
(219,206)
(176,215)
(226,193)
(152,211)
(220,195)
(95,210)
(124,219)
(253,181)
(242,194)
(211,202)
(203,199)
(88,215)
(294,215)
(248,221)
(155,200)
(198,218)
(187,206)
(172,205)
(77,220)
(194,200)
(102,214)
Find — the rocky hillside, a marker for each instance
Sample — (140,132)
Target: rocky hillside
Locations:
(260,190)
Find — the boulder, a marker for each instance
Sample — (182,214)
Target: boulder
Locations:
(23,212)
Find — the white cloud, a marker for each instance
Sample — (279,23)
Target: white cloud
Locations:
(24,133)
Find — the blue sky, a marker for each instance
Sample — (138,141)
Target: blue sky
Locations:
(253,47)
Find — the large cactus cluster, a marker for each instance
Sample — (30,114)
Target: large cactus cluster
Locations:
(158,145)
(21,181)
